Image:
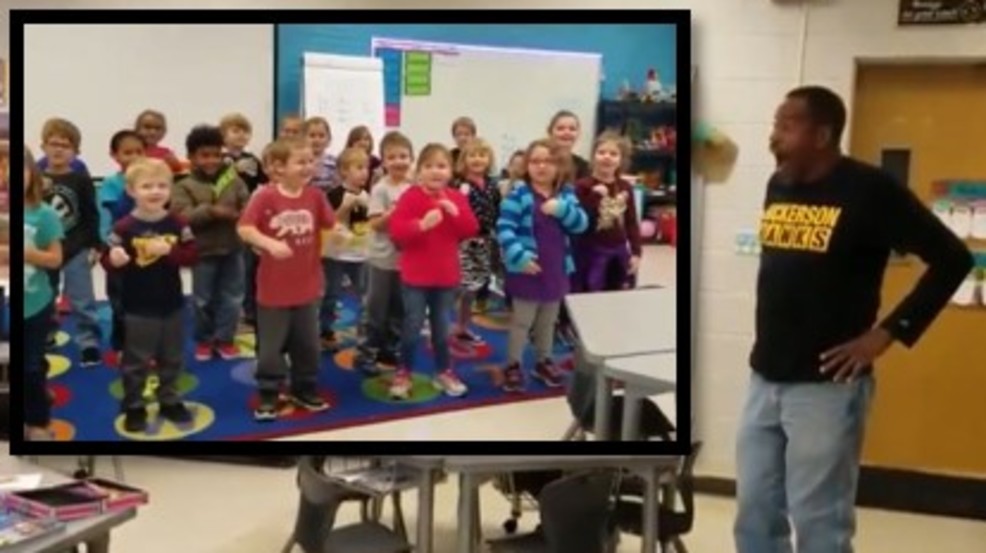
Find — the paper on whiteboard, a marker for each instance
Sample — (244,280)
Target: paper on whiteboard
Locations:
(345,90)
(966,292)
(943,210)
(979,222)
(962,220)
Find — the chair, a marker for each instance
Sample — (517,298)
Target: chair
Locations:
(671,524)
(320,499)
(576,517)
(654,424)
(86,467)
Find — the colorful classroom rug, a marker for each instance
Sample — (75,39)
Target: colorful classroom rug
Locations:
(222,394)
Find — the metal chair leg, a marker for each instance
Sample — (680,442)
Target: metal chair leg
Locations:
(570,434)
(399,525)
(118,468)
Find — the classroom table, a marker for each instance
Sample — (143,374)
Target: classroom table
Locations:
(625,323)
(474,470)
(641,375)
(94,531)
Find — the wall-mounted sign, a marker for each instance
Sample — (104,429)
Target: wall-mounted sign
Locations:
(941,12)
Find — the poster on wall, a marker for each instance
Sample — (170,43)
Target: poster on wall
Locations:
(961,206)
(941,12)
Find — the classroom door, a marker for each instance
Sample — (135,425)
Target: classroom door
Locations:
(929,413)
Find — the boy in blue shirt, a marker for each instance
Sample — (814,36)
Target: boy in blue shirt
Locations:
(126,146)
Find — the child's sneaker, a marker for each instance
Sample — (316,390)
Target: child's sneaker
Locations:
(228,351)
(203,351)
(135,420)
(400,386)
(387,357)
(468,337)
(329,342)
(547,372)
(449,382)
(309,400)
(366,362)
(513,378)
(266,410)
(176,413)
(91,357)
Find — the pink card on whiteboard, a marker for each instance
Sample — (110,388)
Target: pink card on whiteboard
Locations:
(392,116)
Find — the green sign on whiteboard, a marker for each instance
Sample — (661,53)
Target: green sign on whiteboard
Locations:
(417,73)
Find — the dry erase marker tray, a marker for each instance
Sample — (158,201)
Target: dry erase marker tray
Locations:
(76,500)
(17,528)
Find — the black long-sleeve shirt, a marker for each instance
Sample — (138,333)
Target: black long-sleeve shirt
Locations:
(74,198)
(825,249)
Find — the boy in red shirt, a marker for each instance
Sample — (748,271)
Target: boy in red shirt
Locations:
(428,224)
(283,222)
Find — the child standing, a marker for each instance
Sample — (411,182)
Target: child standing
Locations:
(319,136)
(237,131)
(73,197)
(345,256)
(429,223)
(152,126)
(360,137)
(292,126)
(608,255)
(126,146)
(211,198)
(564,128)
(478,254)
(534,227)
(463,130)
(283,221)
(513,172)
(147,248)
(384,307)
(42,251)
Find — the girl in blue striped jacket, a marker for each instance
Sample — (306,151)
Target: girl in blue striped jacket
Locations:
(534,226)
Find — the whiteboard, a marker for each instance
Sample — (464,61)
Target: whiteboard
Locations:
(101,76)
(347,91)
(511,93)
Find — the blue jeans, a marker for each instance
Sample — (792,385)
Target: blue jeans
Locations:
(77,274)
(217,286)
(37,410)
(438,302)
(334,271)
(798,453)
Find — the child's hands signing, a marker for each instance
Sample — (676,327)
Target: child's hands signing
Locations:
(119,257)
(431,219)
(449,207)
(550,207)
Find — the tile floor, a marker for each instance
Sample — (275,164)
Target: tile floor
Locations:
(201,507)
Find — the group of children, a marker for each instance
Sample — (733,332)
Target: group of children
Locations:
(274,241)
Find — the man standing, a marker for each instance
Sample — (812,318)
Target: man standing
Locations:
(829,225)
